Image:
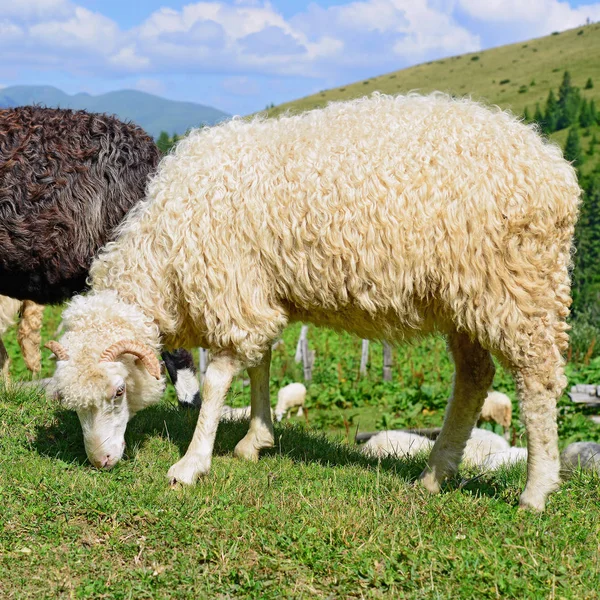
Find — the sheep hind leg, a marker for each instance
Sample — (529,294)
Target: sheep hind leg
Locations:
(474,373)
(538,388)
(260,433)
(4,362)
(198,458)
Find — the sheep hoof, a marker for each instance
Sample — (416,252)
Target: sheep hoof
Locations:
(429,481)
(534,502)
(186,471)
(249,448)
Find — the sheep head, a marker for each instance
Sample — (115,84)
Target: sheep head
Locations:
(106,391)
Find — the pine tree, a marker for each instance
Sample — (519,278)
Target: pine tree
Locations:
(549,121)
(589,84)
(569,100)
(163,142)
(594,112)
(585,114)
(538,116)
(526,115)
(573,147)
(586,275)
(593,144)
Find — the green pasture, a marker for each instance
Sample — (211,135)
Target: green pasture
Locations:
(313,518)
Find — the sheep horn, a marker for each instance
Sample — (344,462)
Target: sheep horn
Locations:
(141,351)
(59,350)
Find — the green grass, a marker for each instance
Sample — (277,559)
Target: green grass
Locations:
(313,518)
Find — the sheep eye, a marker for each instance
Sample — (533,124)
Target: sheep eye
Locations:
(120,391)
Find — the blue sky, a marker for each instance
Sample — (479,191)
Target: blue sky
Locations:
(240,55)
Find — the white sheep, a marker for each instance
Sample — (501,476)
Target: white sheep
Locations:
(388,217)
(396,443)
(481,445)
(289,397)
(229,413)
(497,408)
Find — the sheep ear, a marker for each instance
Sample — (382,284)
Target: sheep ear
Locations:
(139,350)
(59,350)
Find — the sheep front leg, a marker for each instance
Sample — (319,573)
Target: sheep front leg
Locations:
(474,373)
(260,433)
(198,457)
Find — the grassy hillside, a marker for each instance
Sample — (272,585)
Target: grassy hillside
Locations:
(512,76)
(153,113)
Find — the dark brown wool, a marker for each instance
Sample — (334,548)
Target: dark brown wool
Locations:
(67,179)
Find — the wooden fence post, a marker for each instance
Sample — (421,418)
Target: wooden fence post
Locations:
(364,358)
(308,359)
(303,334)
(203,364)
(387,362)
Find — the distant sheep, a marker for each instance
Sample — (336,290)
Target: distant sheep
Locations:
(289,397)
(388,217)
(67,179)
(497,408)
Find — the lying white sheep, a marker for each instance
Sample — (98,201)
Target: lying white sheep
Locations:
(481,445)
(497,408)
(229,413)
(388,217)
(396,443)
(513,455)
(484,448)
(289,397)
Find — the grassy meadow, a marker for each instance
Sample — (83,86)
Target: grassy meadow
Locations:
(313,518)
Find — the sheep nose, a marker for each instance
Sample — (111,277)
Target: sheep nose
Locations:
(103,463)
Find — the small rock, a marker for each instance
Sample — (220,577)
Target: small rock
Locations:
(580,454)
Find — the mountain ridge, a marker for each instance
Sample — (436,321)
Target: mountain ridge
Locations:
(152,113)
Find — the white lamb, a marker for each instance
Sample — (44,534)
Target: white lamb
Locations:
(289,397)
(388,217)
(497,408)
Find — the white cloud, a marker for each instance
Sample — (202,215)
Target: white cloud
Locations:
(250,37)
(540,16)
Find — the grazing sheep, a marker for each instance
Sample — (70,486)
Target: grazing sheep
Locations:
(289,397)
(67,179)
(580,455)
(396,443)
(387,217)
(497,408)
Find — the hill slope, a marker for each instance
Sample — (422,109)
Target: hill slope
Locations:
(153,113)
(513,76)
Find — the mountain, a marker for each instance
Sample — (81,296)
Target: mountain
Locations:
(153,113)
(512,76)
